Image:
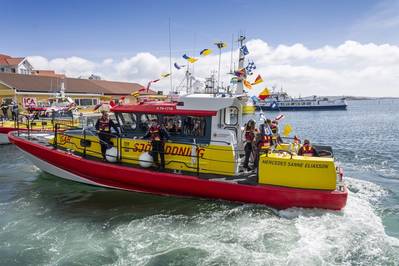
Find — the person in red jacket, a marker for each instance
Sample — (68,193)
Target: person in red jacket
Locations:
(103,127)
(249,140)
(307,149)
(157,134)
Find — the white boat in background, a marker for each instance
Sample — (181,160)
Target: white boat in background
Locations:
(280,100)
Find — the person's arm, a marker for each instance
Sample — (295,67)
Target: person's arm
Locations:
(114,126)
(165,133)
(147,135)
(300,151)
(315,152)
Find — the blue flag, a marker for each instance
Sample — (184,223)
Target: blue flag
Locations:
(244,50)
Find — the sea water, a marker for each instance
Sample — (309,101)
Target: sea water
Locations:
(45,220)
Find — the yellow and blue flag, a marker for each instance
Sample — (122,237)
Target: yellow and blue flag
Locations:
(206,52)
(190,59)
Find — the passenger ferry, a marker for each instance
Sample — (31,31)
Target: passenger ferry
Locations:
(202,157)
(281,101)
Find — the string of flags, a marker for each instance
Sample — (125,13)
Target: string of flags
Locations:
(239,74)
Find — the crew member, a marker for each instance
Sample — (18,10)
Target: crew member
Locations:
(103,126)
(250,134)
(14,110)
(157,134)
(273,125)
(4,108)
(263,140)
(307,149)
(296,144)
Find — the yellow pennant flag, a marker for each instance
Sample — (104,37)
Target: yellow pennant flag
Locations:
(264,94)
(287,130)
(247,84)
(257,81)
(164,75)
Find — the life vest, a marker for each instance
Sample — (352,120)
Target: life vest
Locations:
(104,125)
(307,150)
(249,135)
(155,133)
(265,142)
(274,129)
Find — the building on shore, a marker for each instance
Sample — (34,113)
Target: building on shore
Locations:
(85,92)
(18,65)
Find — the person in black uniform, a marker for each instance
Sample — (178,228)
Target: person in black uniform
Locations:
(158,135)
(249,135)
(14,110)
(4,108)
(103,126)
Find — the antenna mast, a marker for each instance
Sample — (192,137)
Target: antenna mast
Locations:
(170,56)
(240,88)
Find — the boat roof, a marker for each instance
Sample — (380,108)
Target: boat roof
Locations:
(160,107)
(190,104)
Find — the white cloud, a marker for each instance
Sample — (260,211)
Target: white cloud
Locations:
(351,68)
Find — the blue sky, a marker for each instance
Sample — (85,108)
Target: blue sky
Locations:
(117,29)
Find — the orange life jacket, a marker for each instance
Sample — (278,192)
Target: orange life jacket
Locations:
(104,125)
(308,150)
(265,142)
(155,133)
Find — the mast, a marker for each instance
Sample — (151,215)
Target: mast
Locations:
(220,46)
(240,87)
(170,57)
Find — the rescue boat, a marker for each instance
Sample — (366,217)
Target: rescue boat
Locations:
(202,157)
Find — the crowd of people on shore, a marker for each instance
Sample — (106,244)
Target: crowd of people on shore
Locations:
(9,110)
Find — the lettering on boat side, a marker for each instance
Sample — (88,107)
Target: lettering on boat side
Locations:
(295,164)
(164,108)
(64,139)
(169,149)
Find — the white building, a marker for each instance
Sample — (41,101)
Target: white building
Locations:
(18,65)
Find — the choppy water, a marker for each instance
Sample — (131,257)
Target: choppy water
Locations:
(48,221)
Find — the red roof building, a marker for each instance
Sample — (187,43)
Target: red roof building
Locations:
(18,65)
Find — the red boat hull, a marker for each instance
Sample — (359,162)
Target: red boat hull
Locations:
(142,180)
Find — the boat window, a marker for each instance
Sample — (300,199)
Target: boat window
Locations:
(173,124)
(231,116)
(145,120)
(128,121)
(194,126)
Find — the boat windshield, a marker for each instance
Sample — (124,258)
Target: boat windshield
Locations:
(178,126)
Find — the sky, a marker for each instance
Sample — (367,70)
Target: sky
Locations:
(307,47)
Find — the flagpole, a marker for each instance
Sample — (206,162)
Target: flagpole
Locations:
(219,45)
(170,56)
